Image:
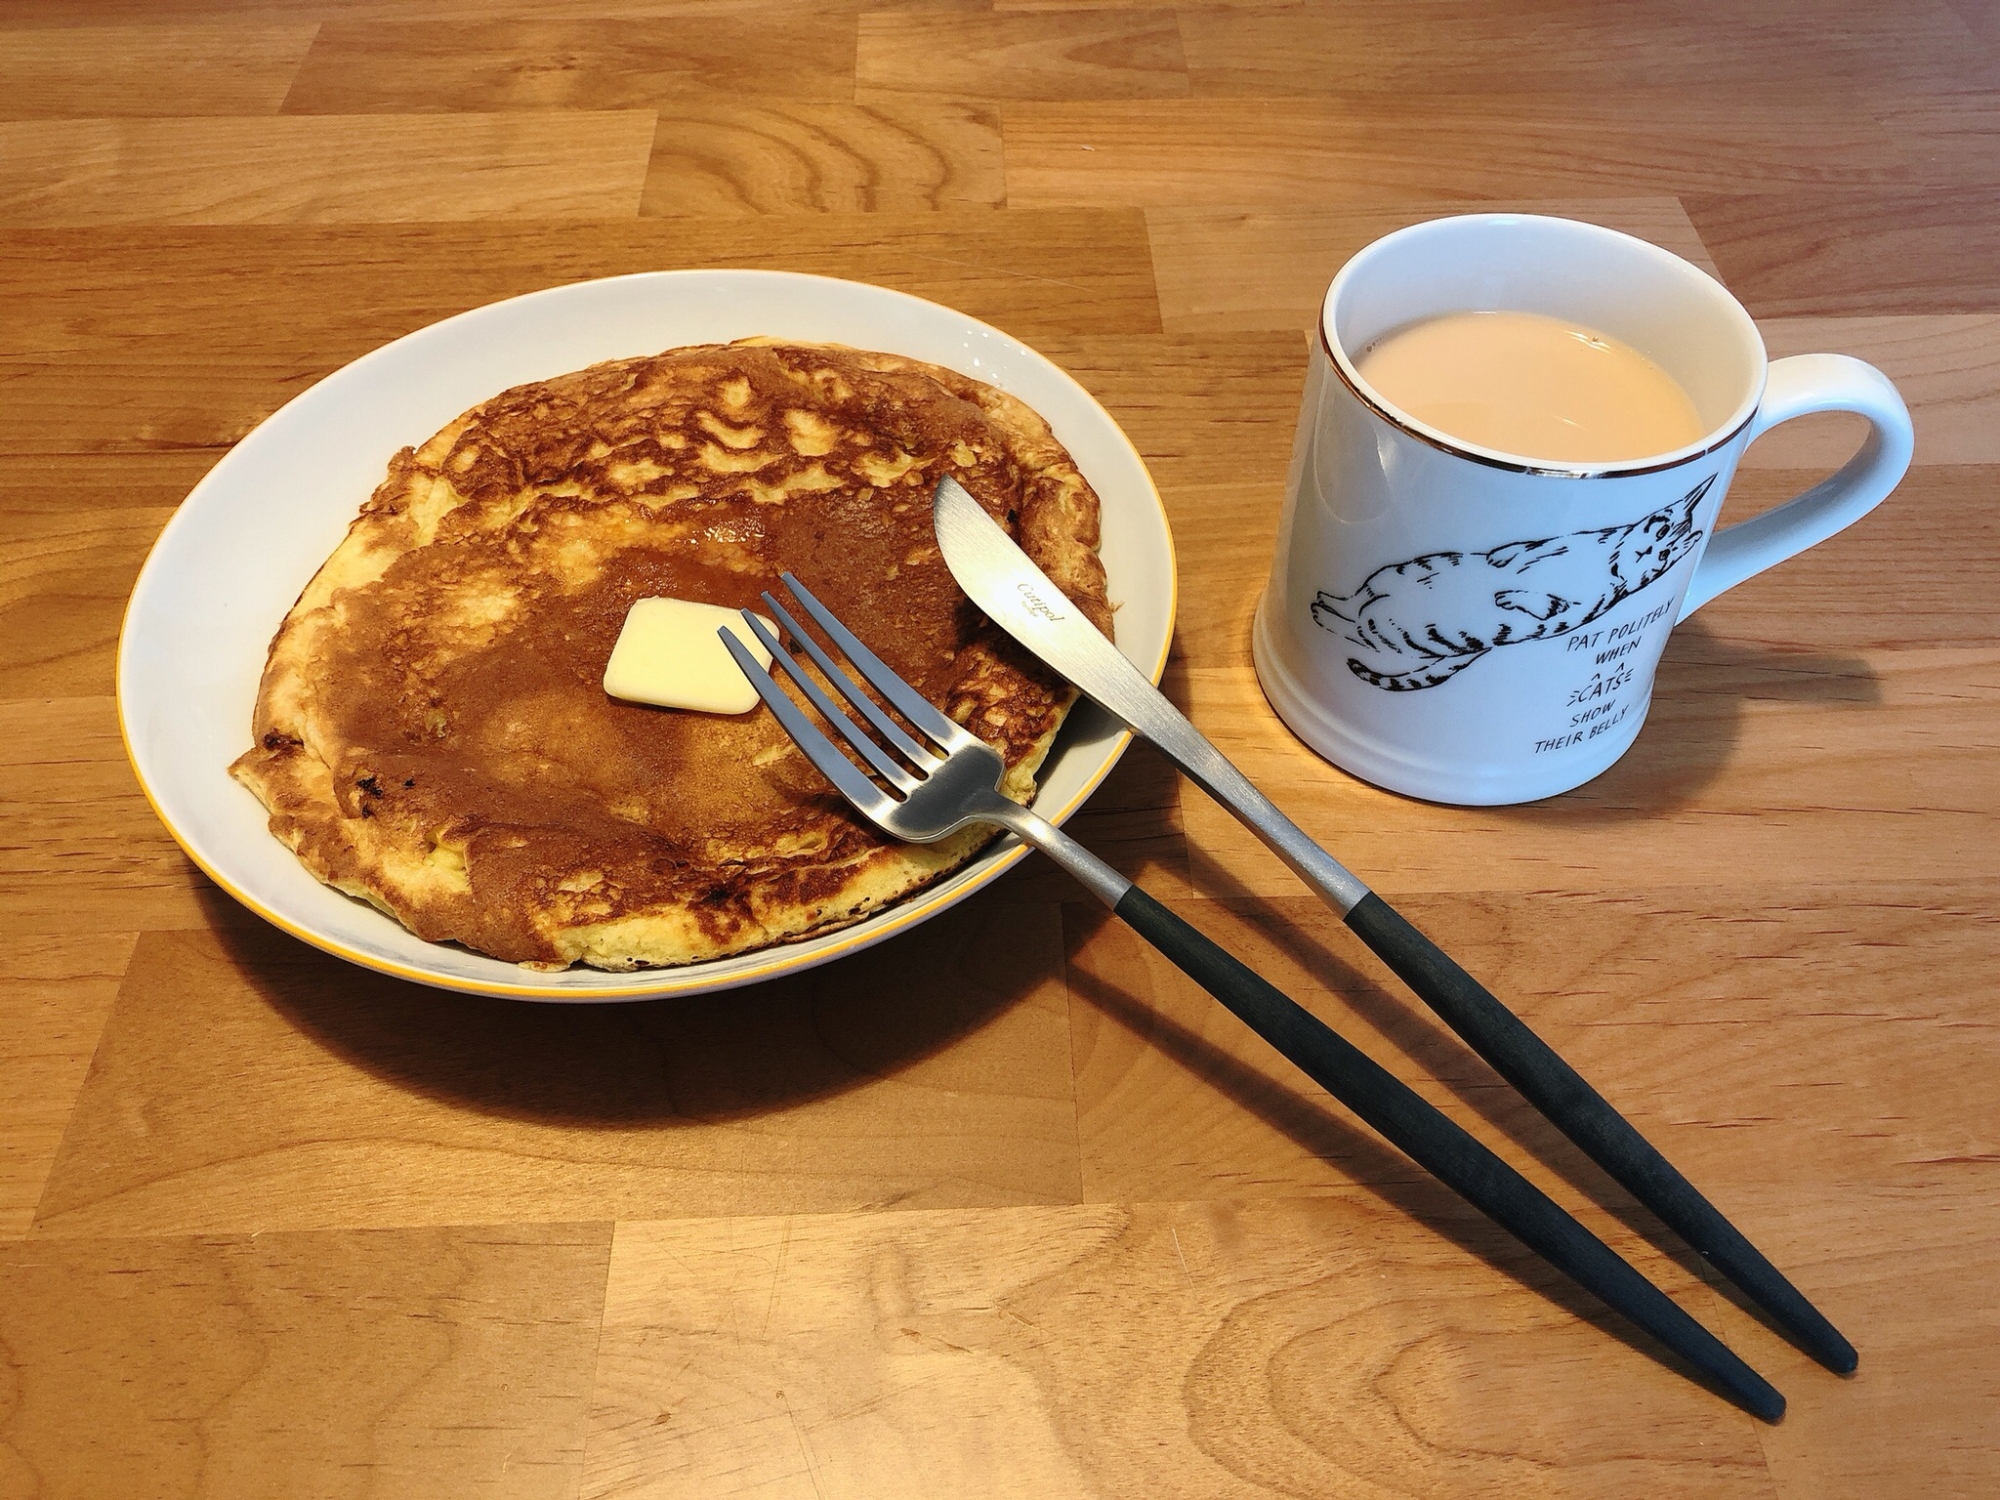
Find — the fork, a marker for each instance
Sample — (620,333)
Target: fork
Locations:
(935,790)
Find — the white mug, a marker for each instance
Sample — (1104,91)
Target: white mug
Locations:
(1469,626)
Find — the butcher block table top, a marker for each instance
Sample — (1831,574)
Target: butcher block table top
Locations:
(1006,1206)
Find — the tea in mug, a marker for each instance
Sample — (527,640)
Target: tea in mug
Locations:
(1530,385)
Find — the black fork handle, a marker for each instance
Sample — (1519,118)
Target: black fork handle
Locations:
(1394,1110)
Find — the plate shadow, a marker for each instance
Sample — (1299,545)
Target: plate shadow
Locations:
(676,1060)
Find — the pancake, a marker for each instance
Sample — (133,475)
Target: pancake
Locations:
(432,734)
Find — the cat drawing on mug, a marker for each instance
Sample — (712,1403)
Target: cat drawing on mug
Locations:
(1421,622)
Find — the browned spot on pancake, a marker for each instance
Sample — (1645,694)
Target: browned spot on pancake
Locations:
(433,732)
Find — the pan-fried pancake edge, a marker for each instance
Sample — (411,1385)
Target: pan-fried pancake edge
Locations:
(432,733)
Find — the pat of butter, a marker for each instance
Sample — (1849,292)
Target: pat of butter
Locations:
(669,655)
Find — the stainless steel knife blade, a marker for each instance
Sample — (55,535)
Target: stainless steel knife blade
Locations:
(1021,599)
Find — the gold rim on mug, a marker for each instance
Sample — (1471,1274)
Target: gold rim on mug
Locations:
(1402,423)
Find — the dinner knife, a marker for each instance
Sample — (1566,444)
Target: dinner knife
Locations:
(1018,597)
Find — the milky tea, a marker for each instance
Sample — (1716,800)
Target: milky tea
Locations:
(1534,386)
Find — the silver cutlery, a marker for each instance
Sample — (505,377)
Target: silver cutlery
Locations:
(1018,597)
(925,790)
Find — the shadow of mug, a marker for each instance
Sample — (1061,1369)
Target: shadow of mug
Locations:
(1694,723)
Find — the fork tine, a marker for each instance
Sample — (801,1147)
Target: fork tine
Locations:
(885,726)
(868,750)
(820,750)
(906,700)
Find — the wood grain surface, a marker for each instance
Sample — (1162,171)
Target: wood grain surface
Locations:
(1006,1206)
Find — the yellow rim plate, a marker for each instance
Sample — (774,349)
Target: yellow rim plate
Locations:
(248,538)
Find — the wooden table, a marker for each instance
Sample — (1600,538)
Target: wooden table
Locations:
(272,1225)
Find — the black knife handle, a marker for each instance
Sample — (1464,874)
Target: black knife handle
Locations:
(1581,1113)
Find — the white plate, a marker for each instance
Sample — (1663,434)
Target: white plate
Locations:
(244,543)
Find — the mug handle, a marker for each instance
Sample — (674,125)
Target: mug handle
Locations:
(1809,383)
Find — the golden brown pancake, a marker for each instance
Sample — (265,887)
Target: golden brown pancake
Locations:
(432,733)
